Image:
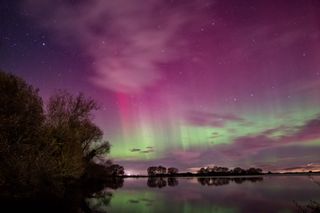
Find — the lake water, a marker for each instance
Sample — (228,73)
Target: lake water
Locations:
(220,195)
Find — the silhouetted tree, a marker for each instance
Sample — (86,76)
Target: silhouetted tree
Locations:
(21,112)
(41,148)
(116,170)
(311,207)
(161,170)
(254,171)
(238,171)
(21,131)
(216,170)
(202,171)
(69,119)
(221,170)
(172,171)
(152,170)
(258,171)
(74,138)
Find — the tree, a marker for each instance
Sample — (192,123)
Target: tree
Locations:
(239,171)
(45,147)
(161,170)
(202,171)
(21,130)
(254,171)
(21,112)
(70,130)
(116,170)
(70,120)
(152,170)
(221,169)
(259,170)
(172,171)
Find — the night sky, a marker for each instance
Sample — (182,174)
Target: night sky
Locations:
(184,83)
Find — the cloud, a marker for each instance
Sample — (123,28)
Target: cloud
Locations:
(148,149)
(199,118)
(250,144)
(125,39)
(178,158)
(186,156)
(287,156)
(307,132)
(279,130)
(302,168)
(214,135)
(309,86)
(135,150)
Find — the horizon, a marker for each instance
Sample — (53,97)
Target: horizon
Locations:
(182,84)
(298,169)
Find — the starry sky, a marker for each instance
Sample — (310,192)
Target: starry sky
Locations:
(184,83)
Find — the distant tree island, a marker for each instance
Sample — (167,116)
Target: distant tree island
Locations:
(205,171)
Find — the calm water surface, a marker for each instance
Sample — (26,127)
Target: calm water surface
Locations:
(225,195)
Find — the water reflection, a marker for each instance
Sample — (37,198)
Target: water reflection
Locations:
(98,194)
(160,182)
(172,181)
(220,194)
(85,197)
(98,202)
(224,194)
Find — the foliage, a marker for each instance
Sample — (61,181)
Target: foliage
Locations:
(21,130)
(207,181)
(152,170)
(311,207)
(157,170)
(21,112)
(115,170)
(70,120)
(172,171)
(216,170)
(76,138)
(45,147)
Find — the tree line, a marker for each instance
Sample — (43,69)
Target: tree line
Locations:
(204,171)
(217,170)
(161,170)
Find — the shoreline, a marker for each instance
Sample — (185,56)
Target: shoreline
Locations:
(221,175)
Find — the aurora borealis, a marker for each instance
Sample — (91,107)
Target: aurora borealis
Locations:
(184,83)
